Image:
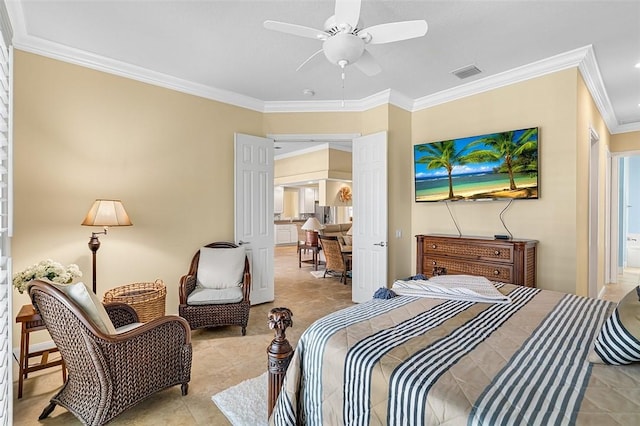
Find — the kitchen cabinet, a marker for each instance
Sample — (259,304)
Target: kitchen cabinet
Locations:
(286,233)
(278,199)
(306,199)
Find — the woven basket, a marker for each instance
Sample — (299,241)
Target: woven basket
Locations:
(148,299)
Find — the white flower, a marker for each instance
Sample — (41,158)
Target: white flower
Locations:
(47,269)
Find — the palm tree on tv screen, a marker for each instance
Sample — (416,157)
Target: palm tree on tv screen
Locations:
(443,155)
(518,155)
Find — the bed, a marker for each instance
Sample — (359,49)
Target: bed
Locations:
(413,360)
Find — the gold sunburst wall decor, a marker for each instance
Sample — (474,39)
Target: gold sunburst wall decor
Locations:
(345,194)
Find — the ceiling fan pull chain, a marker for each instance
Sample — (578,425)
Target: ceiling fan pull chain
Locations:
(343,76)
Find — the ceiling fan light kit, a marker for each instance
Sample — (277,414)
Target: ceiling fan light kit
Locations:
(343,49)
(344,40)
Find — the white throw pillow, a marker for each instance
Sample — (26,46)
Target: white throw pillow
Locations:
(89,303)
(221,267)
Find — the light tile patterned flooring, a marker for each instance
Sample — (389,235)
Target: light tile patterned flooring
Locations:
(627,281)
(222,357)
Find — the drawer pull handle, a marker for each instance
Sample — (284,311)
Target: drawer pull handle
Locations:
(433,246)
(496,272)
(497,252)
(434,262)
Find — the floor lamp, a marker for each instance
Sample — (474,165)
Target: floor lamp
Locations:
(104,213)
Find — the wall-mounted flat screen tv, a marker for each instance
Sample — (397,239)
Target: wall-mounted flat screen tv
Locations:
(493,166)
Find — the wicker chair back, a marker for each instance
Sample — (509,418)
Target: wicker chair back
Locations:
(334,256)
(109,373)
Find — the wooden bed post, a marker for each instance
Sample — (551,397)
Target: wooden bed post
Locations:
(279,353)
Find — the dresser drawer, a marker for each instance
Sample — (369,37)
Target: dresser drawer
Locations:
(492,271)
(510,261)
(488,252)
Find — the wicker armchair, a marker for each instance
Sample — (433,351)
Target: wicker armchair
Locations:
(108,374)
(334,256)
(214,314)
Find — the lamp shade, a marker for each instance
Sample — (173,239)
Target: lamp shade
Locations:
(107,213)
(312,224)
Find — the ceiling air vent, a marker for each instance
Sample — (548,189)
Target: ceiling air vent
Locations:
(466,72)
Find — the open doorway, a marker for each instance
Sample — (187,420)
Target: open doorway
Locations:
(625,220)
(309,171)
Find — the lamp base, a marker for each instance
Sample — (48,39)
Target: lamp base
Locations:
(312,238)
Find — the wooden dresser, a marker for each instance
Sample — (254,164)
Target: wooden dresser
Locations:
(510,261)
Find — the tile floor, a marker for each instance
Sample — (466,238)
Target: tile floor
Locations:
(223,358)
(629,279)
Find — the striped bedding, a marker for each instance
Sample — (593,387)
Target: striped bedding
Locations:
(422,361)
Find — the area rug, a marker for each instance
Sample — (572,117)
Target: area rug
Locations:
(318,274)
(245,404)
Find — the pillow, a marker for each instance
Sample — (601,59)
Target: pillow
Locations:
(221,267)
(619,340)
(347,240)
(89,303)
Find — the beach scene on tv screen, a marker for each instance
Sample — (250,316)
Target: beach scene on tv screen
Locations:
(500,165)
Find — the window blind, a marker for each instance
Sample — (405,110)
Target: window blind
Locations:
(6,376)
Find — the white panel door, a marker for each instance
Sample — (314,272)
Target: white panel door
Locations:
(254,211)
(369,215)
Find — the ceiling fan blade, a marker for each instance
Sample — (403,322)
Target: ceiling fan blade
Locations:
(308,59)
(347,12)
(297,30)
(367,64)
(396,31)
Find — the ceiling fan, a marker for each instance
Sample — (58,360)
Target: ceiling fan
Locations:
(344,39)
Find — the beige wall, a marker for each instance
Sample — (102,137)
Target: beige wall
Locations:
(290,203)
(309,166)
(316,165)
(312,122)
(329,193)
(548,102)
(400,176)
(622,142)
(588,117)
(80,134)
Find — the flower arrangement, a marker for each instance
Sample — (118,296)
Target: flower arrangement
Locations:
(48,269)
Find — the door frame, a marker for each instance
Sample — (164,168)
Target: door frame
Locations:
(594,211)
(613,254)
(313,137)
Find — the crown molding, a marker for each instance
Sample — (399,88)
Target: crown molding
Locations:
(625,128)
(583,58)
(526,72)
(590,72)
(122,69)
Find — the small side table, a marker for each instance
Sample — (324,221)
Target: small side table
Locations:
(314,255)
(31,321)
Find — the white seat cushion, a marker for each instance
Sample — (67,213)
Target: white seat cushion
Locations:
(89,303)
(128,327)
(220,267)
(213,296)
